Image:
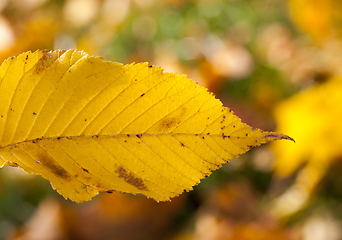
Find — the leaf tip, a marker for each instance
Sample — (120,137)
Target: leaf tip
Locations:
(276,136)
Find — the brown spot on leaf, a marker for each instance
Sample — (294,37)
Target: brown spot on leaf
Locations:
(225,136)
(131,178)
(11,147)
(61,51)
(12,164)
(45,51)
(98,185)
(168,123)
(86,170)
(171,122)
(56,169)
(44,62)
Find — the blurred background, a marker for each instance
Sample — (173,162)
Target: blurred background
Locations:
(274,63)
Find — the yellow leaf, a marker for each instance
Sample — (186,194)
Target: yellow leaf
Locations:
(319,18)
(31,36)
(311,118)
(89,126)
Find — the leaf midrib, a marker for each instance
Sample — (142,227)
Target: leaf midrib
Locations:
(137,135)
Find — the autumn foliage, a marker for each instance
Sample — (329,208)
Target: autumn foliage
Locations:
(275,64)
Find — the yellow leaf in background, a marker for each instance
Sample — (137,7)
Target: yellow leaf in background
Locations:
(319,18)
(89,126)
(311,118)
(27,39)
